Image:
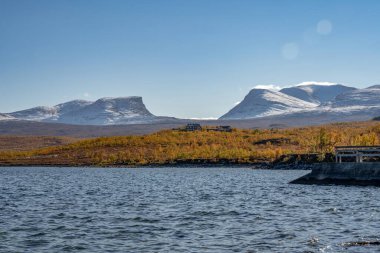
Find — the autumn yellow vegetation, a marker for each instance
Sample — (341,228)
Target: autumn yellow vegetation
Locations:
(24,143)
(173,146)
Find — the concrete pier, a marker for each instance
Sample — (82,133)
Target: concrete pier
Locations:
(343,174)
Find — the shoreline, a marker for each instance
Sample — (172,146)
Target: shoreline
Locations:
(256,166)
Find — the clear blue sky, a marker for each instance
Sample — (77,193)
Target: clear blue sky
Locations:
(185,58)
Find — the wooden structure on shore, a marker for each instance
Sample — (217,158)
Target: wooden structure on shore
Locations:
(359,153)
(355,165)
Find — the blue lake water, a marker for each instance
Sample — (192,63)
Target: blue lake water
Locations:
(181,210)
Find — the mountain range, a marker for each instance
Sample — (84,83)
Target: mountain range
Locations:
(307,100)
(104,111)
(310,102)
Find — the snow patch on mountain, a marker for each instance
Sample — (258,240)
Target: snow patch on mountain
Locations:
(4,116)
(263,102)
(267,87)
(361,97)
(71,106)
(316,83)
(316,93)
(35,114)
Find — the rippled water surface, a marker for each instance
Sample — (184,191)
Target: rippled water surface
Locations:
(181,210)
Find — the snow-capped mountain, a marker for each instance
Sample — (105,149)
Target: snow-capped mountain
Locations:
(315,93)
(105,111)
(333,101)
(263,102)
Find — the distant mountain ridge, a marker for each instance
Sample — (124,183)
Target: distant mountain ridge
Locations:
(4,116)
(263,102)
(361,97)
(307,103)
(317,94)
(104,111)
(309,100)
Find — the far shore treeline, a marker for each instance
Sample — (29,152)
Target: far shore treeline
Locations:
(241,146)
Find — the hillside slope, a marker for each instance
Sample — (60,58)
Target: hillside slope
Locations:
(317,94)
(262,102)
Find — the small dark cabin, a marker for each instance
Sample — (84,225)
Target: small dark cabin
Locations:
(193,127)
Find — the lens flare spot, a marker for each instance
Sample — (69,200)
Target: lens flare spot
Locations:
(324,27)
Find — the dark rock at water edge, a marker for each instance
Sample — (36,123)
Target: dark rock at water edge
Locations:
(364,174)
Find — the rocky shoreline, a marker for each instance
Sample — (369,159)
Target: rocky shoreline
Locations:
(256,166)
(307,161)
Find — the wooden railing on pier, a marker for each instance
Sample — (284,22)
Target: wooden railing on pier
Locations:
(357,152)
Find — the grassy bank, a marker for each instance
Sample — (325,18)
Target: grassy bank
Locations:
(207,147)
